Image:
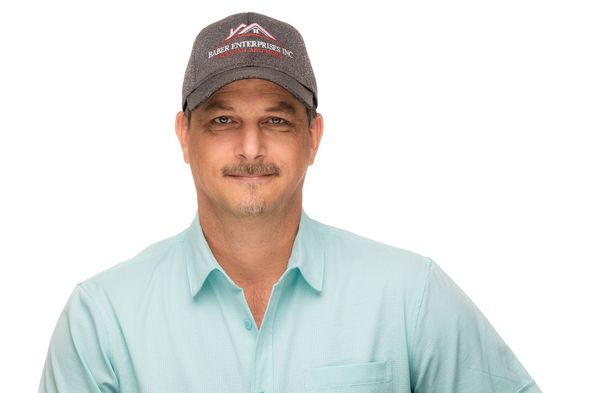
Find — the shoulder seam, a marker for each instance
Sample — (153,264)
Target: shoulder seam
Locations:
(104,325)
(415,327)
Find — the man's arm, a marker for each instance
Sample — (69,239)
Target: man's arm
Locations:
(456,350)
(78,359)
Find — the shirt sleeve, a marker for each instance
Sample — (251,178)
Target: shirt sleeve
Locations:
(455,348)
(78,358)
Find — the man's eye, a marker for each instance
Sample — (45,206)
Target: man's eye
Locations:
(276,120)
(222,120)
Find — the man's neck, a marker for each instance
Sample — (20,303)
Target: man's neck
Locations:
(253,251)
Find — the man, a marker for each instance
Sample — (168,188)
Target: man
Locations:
(255,296)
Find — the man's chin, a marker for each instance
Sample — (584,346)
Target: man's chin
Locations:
(251,210)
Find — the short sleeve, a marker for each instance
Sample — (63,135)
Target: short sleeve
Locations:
(456,350)
(78,359)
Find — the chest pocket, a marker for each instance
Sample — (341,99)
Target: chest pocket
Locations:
(369,377)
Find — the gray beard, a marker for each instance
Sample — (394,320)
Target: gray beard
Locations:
(253,207)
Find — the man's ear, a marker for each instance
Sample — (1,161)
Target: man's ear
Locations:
(182,134)
(316,130)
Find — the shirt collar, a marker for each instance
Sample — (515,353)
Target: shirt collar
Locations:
(307,255)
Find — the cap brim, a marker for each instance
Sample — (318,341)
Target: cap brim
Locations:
(216,82)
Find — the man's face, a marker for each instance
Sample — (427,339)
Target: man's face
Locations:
(249,146)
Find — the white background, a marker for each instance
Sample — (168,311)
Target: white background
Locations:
(454,129)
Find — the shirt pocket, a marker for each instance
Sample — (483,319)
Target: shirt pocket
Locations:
(368,377)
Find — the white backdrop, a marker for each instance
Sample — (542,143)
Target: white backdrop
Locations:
(455,129)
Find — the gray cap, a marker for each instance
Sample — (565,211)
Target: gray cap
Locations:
(248,45)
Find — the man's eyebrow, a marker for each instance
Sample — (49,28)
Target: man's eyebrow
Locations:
(217,104)
(282,106)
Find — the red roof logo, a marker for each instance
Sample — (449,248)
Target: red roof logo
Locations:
(253,29)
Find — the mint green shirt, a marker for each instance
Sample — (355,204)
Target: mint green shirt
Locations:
(348,315)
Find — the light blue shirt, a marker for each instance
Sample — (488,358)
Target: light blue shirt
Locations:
(348,315)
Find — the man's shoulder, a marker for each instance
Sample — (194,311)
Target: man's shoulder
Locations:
(353,249)
(138,271)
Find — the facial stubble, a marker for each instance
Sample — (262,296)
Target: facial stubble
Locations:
(253,205)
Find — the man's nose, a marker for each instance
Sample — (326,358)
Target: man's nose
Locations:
(251,144)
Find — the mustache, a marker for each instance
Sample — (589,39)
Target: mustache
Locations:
(251,170)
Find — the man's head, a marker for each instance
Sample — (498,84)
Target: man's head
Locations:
(249,126)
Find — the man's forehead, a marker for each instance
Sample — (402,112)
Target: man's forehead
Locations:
(226,105)
(252,87)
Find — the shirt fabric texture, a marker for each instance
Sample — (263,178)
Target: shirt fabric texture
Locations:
(348,315)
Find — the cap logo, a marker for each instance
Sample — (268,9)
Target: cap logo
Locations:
(254,29)
(249,45)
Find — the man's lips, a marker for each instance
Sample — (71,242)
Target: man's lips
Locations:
(252,177)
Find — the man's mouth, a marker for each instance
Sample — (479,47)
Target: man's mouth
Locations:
(253,177)
(256,175)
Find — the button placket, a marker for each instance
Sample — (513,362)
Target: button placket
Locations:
(264,367)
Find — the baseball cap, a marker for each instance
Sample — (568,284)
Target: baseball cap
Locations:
(248,45)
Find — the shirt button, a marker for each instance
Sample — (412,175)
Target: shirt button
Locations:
(248,324)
